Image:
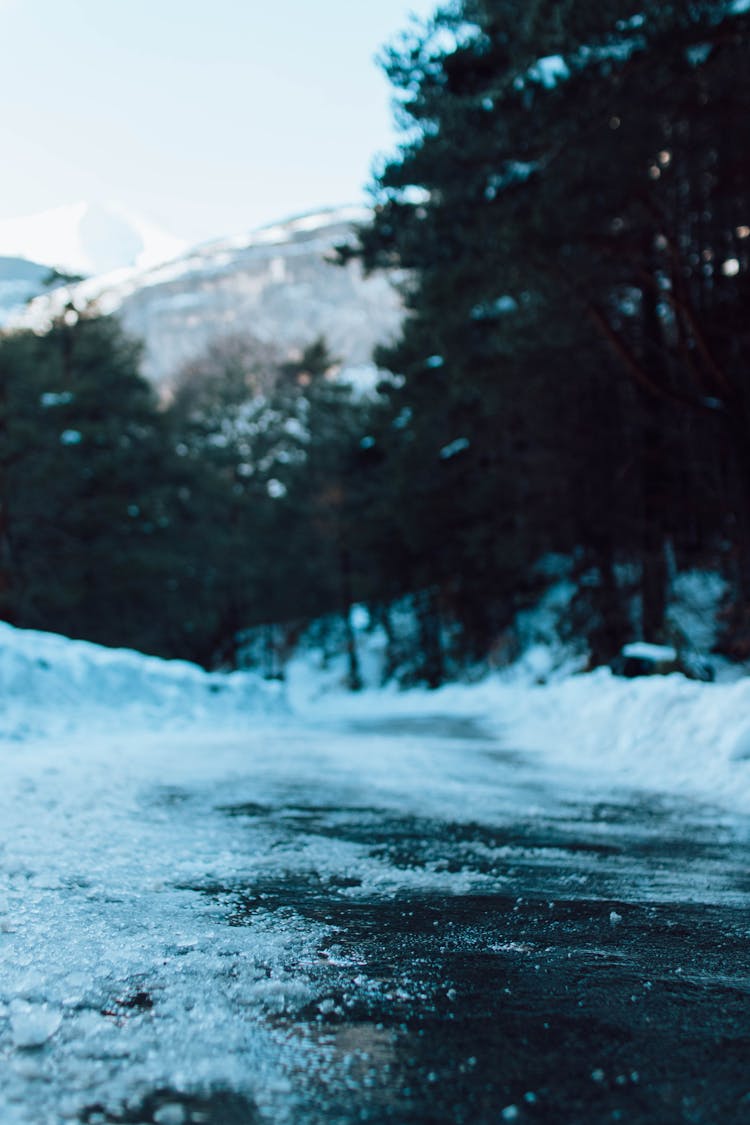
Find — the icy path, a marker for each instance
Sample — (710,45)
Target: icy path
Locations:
(115,980)
(271,924)
(117,975)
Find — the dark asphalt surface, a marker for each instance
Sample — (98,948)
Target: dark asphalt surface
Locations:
(605,978)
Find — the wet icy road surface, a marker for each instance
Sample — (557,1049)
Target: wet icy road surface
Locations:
(390,920)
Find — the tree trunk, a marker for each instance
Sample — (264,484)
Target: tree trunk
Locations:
(433,659)
(655,491)
(739,439)
(612,627)
(354,675)
(654,576)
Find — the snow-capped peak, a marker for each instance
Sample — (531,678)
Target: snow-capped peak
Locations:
(88,238)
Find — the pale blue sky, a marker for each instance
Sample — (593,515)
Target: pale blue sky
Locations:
(208,117)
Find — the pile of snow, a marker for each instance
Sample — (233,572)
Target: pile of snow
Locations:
(50,685)
(664,733)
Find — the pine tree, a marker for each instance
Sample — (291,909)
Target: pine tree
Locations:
(565,185)
(87,506)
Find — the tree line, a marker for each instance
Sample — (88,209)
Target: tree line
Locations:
(170,525)
(570,206)
(569,216)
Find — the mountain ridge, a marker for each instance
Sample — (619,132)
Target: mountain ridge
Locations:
(87,238)
(276,284)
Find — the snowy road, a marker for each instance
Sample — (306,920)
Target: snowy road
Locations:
(385,919)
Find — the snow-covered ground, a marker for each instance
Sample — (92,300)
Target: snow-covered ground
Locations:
(119,860)
(51,686)
(663,733)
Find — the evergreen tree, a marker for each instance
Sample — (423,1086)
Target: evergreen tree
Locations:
(267,442)
(569,208)
(87,511)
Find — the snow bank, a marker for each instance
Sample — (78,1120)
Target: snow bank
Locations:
(659,732)
(52,685)
(601,731)
(664,733)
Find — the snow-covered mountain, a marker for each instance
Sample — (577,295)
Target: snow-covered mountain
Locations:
(276,284)
(20,280)
(87,238)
